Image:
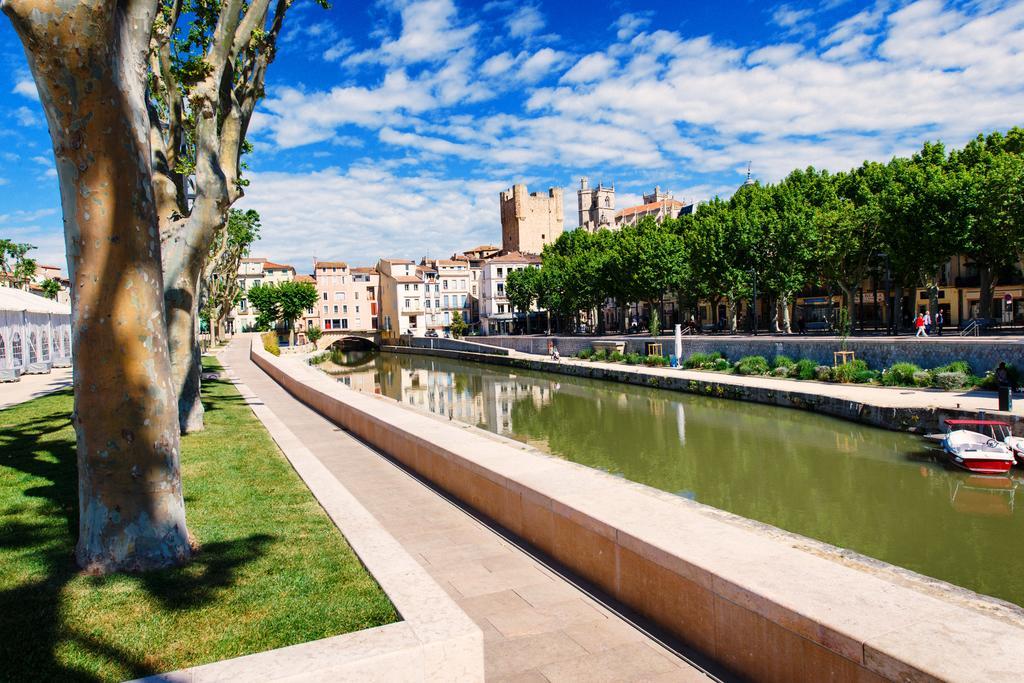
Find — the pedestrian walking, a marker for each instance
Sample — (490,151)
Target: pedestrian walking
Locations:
(919,324)
(927,323)
(940,320)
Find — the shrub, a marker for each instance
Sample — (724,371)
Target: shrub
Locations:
(634,359)
(319,358)
(804,369)
(616,357)
(950,381)
(584,354)
(702,360)
(781,361)
(845,373)
(866,376)
(752,365)
(900,375)
(922,379)
(314,334)
(822,373)
(601,355)
(960,366)
(720,364)
(781,371)
(270,343)
(655,360)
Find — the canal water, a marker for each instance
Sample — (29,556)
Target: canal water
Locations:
(880,493)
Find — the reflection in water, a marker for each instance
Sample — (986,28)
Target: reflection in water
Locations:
(880,493)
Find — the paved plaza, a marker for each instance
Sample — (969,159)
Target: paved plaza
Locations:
(33,386)
(537,626)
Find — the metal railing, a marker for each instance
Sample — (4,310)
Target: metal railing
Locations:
(972,328)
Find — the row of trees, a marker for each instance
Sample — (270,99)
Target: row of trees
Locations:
(147,103)
(906,218)
(18,269)
(282,302)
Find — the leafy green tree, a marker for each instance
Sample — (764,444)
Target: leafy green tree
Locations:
(50,287)
(647,261)
(294,298)
(522,287)
(716,260)
(991,181)
(458,326)
(922,227)
(16,268)
(314,333)
(849,230)
(263,297)
(226,254)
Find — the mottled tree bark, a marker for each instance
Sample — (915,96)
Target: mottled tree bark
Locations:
(88,60)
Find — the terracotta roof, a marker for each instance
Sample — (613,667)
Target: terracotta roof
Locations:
(451,262)
(368,269)
(396,260)
(652,207)
(407,278)
(331,264)
(305,278)
(267,265)
(253,260)
(514,257)
(484,247)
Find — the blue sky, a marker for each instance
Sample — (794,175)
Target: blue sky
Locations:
(391,126)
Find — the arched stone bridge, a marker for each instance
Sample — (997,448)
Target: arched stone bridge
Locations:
(349,338)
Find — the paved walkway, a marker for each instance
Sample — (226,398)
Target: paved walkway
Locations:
(33,386)
(537,626)
(885,397)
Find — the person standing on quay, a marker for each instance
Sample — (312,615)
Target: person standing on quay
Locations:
(919,324)
(927,323)
(940,320)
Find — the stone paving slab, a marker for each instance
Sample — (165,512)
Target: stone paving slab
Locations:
(537,626)
(33,386)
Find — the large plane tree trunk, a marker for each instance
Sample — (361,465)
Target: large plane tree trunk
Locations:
(88,60)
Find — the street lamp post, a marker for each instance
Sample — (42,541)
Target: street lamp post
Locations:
(753,302)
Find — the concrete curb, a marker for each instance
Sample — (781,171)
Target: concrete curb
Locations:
(436,641)
(760,606)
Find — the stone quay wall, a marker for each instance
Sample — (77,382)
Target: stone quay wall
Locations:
(767,605)
(916,420)
(982,354)
(456,345)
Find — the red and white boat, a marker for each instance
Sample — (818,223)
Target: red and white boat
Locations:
(978,446)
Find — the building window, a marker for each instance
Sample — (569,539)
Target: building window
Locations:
(357,296)
(46,346)
(327,309)
(499,272)
(501,308)
(407,288)
(357,309)
(437,303)
(407,303)
(325,296)
(428,303)
(242,305)
(16,349)
(446,301)
(309,311)
(335,308)
(327,324)
(445,284)
(501,289)
(344,323)
(344,308)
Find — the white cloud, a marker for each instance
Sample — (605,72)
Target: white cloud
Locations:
(540,63)
(4,181)
(340,49)
(430,32)
(592,67)
(26,117)
(26,87)
(628,25)
(368,211)
(525,22)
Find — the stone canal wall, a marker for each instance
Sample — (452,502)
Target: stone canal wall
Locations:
(982,354)
(765,606)
(917,420)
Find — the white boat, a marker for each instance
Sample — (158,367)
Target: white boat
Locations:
(975,451)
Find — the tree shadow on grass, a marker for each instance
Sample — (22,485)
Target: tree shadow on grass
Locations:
(37,542)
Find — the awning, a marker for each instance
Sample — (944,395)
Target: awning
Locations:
(18,300)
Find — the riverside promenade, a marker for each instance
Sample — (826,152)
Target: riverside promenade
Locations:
(537,625)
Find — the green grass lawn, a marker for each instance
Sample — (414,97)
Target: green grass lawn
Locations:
(272,569)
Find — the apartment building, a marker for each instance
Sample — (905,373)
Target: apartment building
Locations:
(252,272)
(496,313)
(447,284)
(346,297)
(400,295)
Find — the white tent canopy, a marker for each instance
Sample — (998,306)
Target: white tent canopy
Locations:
(35,333)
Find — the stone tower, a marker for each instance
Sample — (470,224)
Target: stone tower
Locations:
(596,206)
(529,221)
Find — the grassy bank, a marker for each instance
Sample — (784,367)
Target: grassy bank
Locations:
(272,568)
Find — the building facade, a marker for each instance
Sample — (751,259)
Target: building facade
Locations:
(529,221)
(346,298)
(401,295)
(658,205)
(497,315)
(447,284)
(596,206)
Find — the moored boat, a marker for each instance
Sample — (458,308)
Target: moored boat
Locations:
(976,451)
